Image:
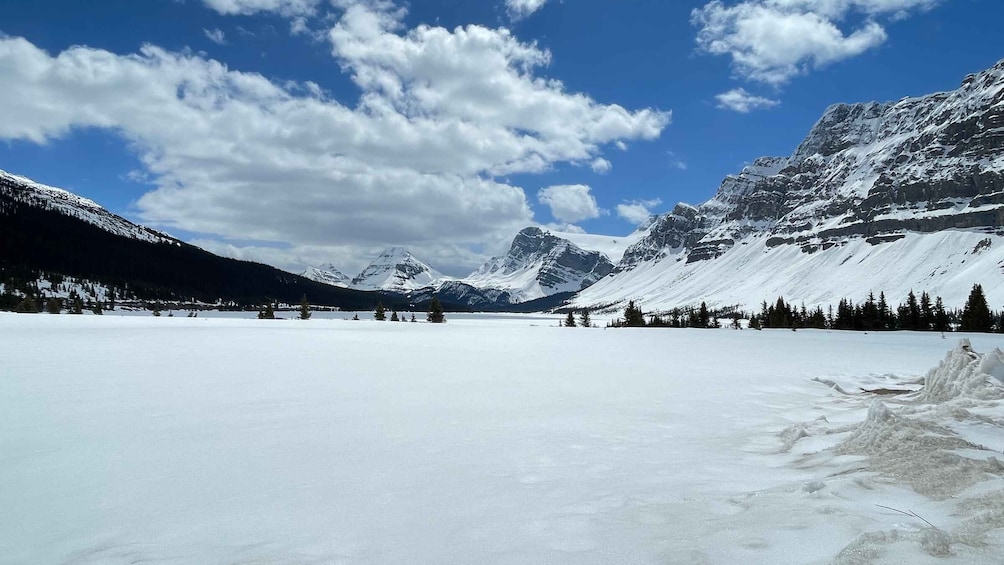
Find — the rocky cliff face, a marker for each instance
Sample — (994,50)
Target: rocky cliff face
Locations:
(539,264)
(872,172)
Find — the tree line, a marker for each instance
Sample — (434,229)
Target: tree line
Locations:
(922,313)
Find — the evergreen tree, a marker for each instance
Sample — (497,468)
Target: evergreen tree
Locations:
(940,316)
(584,319)
(413,317)
(570,320)
(111,298)
(736,321)
(926,312)
(436,315)
(156,309)
(633,316)
(304,308)
(754,322)
(97,310)
(27,305)
(703,318)
(381,313)
(976,316)
(912,312)
(268,313)
(54,305)
(393,316)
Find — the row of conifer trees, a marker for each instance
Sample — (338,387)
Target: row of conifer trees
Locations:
(874,314)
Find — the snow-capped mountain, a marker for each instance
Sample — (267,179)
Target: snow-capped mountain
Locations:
(327,274)
(27,191)
(396,270)
(540,263)
(885,197)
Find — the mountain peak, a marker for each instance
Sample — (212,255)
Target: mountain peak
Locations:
(396,269)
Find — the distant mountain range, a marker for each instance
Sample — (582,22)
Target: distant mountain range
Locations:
(878,197)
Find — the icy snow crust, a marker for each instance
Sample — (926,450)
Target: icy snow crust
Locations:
(492,439)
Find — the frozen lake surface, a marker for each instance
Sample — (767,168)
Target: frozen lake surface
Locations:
(490,439)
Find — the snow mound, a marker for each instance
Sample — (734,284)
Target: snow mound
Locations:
(917,452)
(965,374)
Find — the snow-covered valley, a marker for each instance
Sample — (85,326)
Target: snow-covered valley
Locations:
(491,439)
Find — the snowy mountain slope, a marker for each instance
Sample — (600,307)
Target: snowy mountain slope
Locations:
(877,197)
(944,264)
(541,263)
(396,270)
(27,191)
(611,246)
(327,274)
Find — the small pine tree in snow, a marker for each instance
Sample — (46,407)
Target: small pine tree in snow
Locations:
(268,313)
(97,310)
(976,316)
(633,316)
(304,308)
(393,316)
(54,306)
(584,319)
(381,312)
(570,320)
(436,315)
(413,317)
(28,306)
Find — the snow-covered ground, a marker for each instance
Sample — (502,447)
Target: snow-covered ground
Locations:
(128,439)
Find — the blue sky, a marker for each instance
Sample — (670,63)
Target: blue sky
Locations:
(300,132)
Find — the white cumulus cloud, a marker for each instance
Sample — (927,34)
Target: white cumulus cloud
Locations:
(249,7)
(738,100)
(519,9)
(601,166)
(637,211)
(570,203)
(235,156)
(772,41)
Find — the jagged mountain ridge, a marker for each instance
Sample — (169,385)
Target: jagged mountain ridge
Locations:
(327,274)
(396,270)
(893,196)
(540,264)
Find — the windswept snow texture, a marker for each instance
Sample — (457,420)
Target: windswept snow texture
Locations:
(220,441)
